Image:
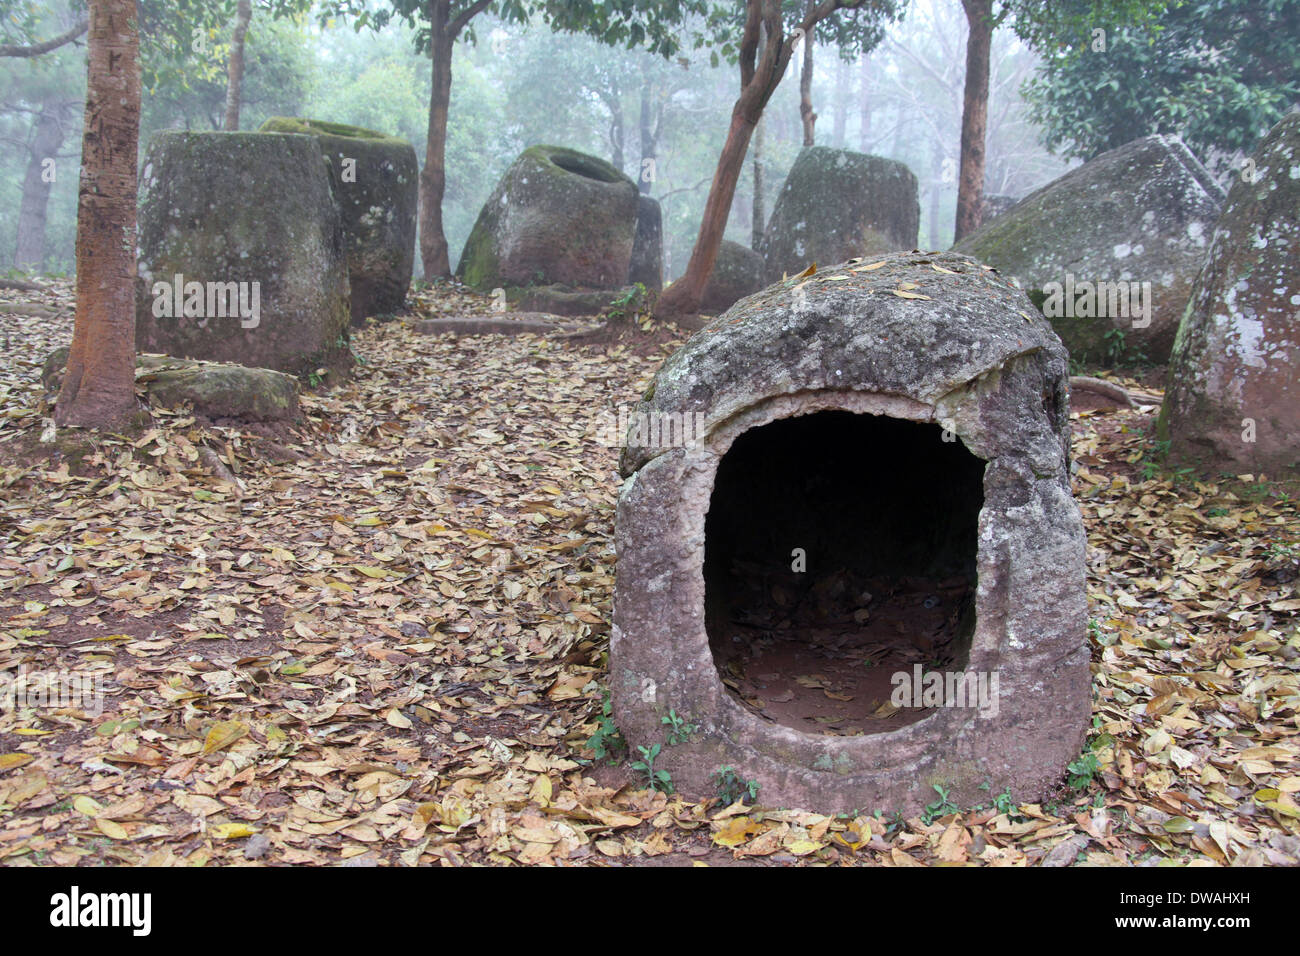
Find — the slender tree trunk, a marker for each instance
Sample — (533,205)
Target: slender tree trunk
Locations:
(646,133)
(235,68)
(616,133)
(684,296)
(864,134)
(936,193)
(764,57)
(758,221)
(841,118)
(99,386)
(974,117)
(433,180)
(29,254)
(806,114)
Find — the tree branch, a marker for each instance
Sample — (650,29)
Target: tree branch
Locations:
(36,49)
(466,15)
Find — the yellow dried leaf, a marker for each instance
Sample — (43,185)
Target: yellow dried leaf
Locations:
(11,761)
(231,831)
(112,829)
(736,831)
(222,735)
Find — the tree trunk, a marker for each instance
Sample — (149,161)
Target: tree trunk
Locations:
(99,386)
(806,114)
(29,253)
(758,221)
(433,180)
(974,117)
(841,119)
(616,133)
(235,68)
(764,57)
(683,297)
(646,172)
(936,194)
(864,134)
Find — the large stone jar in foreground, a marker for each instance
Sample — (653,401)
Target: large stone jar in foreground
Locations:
(839,494)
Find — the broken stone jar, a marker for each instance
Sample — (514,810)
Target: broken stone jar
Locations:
(859,575)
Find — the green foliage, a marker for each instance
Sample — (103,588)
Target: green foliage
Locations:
(607,742)
(1005,803)
(1002,803)
(1217,72)
(679,731)
(731,786)
(1118,353)
(941,807)
(653,779)
(1082,770)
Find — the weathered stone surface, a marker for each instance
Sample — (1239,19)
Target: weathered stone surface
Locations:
(1141,213)
(1235,370)
(376,184)
(648,246)
(737,273)
(556,216)
(837,204)
(213,389)
(836,358)
(995,206)
(253,210)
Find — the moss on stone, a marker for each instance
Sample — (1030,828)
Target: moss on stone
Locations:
(555,216)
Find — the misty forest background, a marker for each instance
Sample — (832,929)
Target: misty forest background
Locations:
(517,86)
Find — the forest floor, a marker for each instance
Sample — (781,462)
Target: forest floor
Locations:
(386,646)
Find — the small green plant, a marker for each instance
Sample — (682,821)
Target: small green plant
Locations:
(1082,771)
(1281,550)
(654,779)
(607,742)
(939,808)
(1119,352)
(1153,461)
(1005,803)
(679,731)
(313,379)
(731,786)
(633,300)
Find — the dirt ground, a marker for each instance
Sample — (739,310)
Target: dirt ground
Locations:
(386,643)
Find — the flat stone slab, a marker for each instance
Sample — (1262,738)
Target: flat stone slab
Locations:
(509,323)
(213,389)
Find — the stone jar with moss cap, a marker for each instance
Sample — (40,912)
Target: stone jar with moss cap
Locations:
(241,255)
(376,184)
(837,204)
(556,216)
